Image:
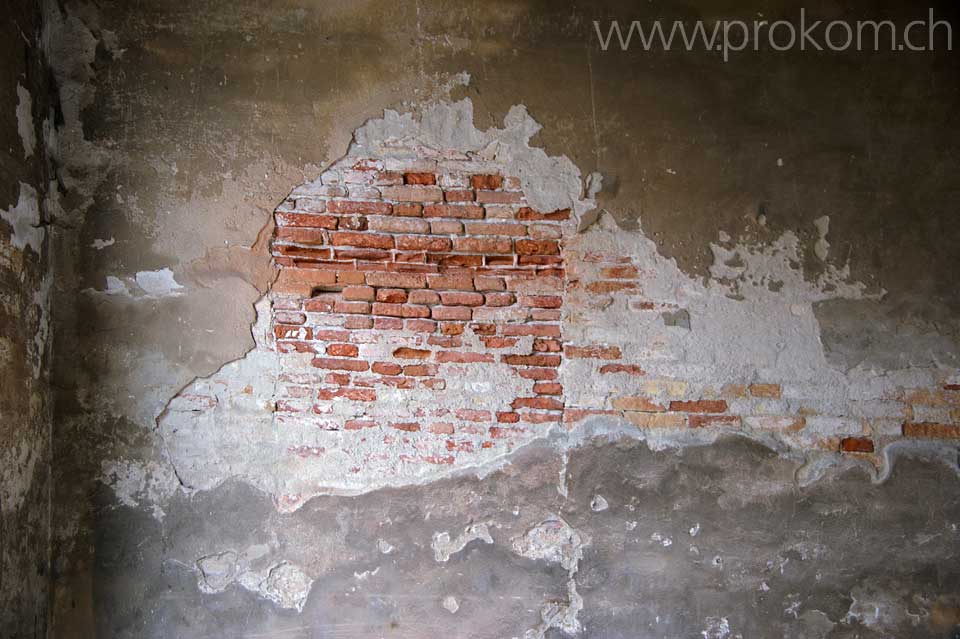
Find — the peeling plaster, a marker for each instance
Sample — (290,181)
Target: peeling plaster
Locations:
(25,220)
(25,121)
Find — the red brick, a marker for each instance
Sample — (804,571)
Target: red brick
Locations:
(489,283)
(539,260)
(296,347)
(304,220)
(392,295)
(699,406)
(482,245)
(592,352)
(353,223)
(301,235)
(445,341)
(541,418)
(489,182)
(358,293)
(358,424)
(357,322)
(484,329)
(340,364)
(339,379)
(411,353)
(423,243)
(386,368)
(410,427)
(548,388)
(547,345)
(537,330)
(541,301)
(355,308)
(471,415)
(359,208)
(495,228)
(399,225)
(532,360)
(499,432)
(455,282)
(361,240)
(419,370)
(425,179)
(460,211)
(415,311)
(441,428)
(508,418)
(451,261)
(364,254)
(433,384)
(342,350)
(542,403)
(450,313)
(412,193)
(498,300)
(619,272)
(387,323)
(451,328)
(296,331)
(499,342)
(771,391)
(396,280)
(354,394)
(459,196)
(931,430)
(390,310)
(607,286)
(445,227)
(408,210)
(421,325)
(349,277)
(461,298)
(538,247)
(499,260)
(630,369)
(527,213)
(856,445)
(706,421)
(289,317)
(457,357)
(423,297)
(287,255)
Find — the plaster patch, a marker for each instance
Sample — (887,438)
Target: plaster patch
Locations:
(160,283)
(28,136)
(444,547)
(25,220)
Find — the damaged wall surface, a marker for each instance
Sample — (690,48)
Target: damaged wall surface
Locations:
(25,280)
(370,318)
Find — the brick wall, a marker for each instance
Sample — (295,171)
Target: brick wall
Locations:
(424,301)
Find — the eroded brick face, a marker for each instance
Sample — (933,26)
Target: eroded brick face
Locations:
(400,288)
(428,301)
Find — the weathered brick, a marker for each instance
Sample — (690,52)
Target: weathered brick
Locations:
(387,323)
(306,220)
(451,328)
(459,357)
(609,286)
(424,179)
(641,404)
(699,406)
(548,388)
(446,227)
(359,308)
(361,240)
(340,364)
(359,424)
(532,360)
(706,421)
(412,193)
(460,211)
(473,415)
(593,352)
(856,445)
(656,420)
(358,322)
(419,370)
(488,182)
(499,299)
(396,280)
(399,225)
(353,394)
(508,417)
(423,243)
(408,210)
(526,213)
(537,330)
(410,427)
(349,207)
(489,283)
(301,235)
(450,282)
(495,228)
(450,313)
(358,293)
(482,245)
(771,391)
(342,350)
(629,369)
(414,311)
(461,298)
(541,301)
(391,295)
(499,197)
(538,247)
(499,342)
(386,368)
(931,430)
(421,326)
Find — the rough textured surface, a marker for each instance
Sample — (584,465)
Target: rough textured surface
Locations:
(775,258)
(689,545)
(25,284)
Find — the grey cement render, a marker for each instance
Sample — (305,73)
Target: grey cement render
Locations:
(708,542)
